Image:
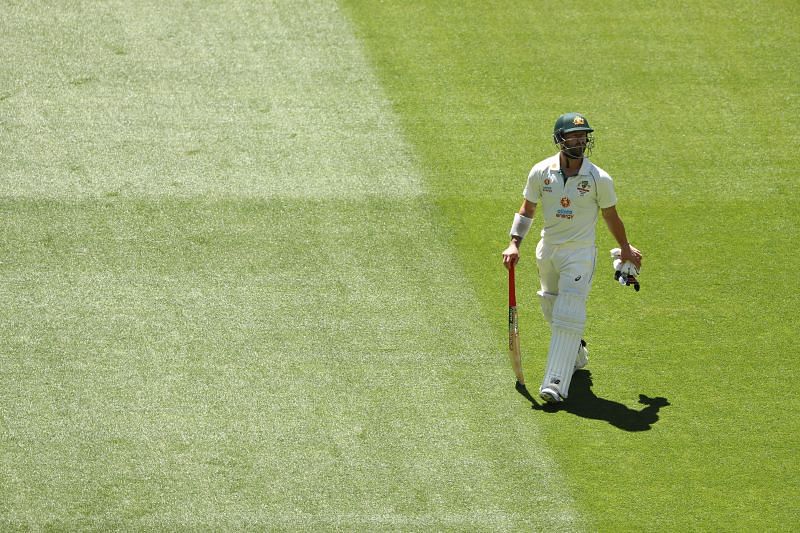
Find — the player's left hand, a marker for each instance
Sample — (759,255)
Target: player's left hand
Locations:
(632,254)
(626,271)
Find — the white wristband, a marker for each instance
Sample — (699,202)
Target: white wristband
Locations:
(521,225)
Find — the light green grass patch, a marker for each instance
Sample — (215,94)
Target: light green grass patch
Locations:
(235,100)
(227,302)
(210,375)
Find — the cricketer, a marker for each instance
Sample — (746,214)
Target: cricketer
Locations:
(572,192)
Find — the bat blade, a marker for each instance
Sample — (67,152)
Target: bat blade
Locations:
(513,329)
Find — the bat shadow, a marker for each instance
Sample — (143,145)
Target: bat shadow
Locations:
(583,402)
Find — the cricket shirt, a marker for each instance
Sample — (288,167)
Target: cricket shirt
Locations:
(569,207)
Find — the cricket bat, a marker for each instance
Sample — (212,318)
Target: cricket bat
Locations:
(513,329)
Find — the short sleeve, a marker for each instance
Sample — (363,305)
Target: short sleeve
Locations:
(606,196)
(533,188)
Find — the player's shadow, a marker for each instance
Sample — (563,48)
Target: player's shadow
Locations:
(584,403)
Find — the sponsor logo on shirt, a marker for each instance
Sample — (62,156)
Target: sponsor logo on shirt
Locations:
(565,213)
(565,202)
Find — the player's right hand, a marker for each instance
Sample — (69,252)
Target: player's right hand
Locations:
(510,255)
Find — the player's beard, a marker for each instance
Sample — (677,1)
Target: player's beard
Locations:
(574,152)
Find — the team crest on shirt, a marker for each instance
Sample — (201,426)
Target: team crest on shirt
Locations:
(565,213)
(583,187)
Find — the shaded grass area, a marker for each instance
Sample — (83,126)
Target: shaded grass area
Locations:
(685,106)
(190,363)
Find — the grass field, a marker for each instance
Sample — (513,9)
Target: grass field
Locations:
(252,279)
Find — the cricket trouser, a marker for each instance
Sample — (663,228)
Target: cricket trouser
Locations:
(565,274)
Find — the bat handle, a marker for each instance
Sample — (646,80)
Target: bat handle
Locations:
(512,289)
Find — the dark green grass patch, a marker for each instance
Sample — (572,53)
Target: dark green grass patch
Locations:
(692,104)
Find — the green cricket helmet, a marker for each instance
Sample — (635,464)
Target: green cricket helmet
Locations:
(567,123)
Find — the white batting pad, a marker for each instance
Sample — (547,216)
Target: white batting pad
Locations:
(569,312)
(569,319)
(547,300)
(561,360)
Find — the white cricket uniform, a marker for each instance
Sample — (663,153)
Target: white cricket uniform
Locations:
(569,209)
(566,254)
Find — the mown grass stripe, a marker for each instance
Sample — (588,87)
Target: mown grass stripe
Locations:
(192,337)
(206,369)
(267,100)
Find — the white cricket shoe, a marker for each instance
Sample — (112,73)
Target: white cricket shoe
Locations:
(550,395)
(583,356)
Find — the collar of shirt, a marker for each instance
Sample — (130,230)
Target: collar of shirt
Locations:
(583,171)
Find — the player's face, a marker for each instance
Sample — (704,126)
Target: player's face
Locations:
(575,144)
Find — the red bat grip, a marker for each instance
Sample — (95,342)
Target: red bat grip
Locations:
(512,290)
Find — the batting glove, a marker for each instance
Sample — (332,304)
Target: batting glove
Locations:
(624,272)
